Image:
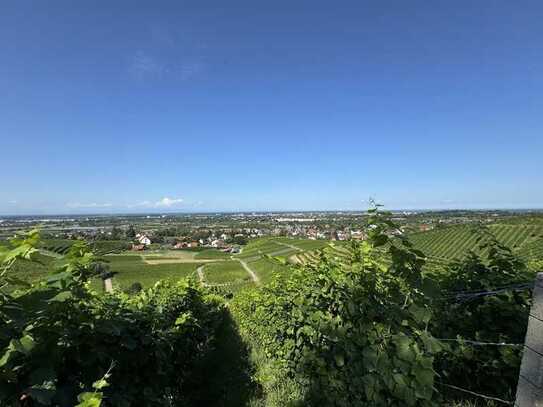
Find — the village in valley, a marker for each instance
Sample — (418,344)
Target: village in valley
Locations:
(230,231)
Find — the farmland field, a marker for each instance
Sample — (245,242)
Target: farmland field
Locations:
(132,268)
(211,254)
(225,272)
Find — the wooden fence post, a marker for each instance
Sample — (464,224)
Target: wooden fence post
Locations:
(530,383)
(108,285)
(107,281)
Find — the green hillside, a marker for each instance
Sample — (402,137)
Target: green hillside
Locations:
(264,246)
(226,272)
(455,241)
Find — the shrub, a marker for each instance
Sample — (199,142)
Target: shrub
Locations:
(498,318)
(134,288)
(346,335)
(59,337)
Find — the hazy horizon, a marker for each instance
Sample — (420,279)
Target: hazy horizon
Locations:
(248,211)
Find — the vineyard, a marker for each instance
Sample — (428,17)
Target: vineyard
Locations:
(532,250)
(264,246)
(442,246)
(59,246)
(226,272)
(334,251)
(305,343)
(454,242)
(101,247)
(226,276)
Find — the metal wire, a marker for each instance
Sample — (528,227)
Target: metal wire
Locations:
(479,343)
(477,394)
(463,296)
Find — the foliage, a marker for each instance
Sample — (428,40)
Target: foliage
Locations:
(346,335)
(498,318)
(349,325)
(130,233)
(134,288)
(57,336)
(535,266)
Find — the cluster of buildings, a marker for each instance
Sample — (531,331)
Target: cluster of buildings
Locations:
(142,241)
(321,232)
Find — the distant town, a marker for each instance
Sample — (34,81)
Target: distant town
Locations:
(229,231)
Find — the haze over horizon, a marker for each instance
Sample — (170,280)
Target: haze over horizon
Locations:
(165,212)
(195,107)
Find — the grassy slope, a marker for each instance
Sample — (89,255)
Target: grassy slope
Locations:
(260,247)
(265,268)
(225,272)
(256,250)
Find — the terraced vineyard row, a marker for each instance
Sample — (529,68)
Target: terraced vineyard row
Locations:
(59,246)
(101,247)
(454,242)
(231,288)
(279,246)
(532,250)
(337,252)
(261,247)
(256,253)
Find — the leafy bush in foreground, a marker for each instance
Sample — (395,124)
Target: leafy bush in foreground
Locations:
(346,335)
(498,318)
(58,338)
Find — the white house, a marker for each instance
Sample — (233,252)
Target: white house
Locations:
(218,243)
(143,239)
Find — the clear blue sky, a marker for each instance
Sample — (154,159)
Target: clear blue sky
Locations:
(126,106)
